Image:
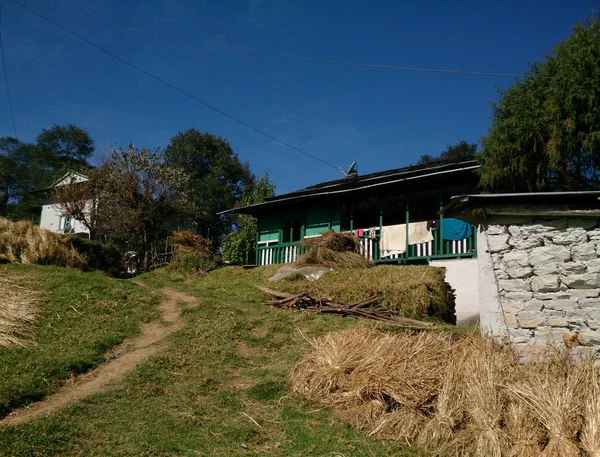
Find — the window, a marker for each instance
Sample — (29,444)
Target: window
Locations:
(291,231)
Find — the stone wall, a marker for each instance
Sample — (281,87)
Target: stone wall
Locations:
(548,278)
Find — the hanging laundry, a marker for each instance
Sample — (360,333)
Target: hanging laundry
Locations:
(373,233)
(418,233)
(455,229)
(393,240)
(433,224)
(359,233)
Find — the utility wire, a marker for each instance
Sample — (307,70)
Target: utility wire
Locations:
(12,114)
(282,56)
(162,81)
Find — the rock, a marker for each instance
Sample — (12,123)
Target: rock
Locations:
(530,320)
(514,285)
(576,317)
(518,296)
(510,320)
(515,230)
(515,273)
(516,259)
(545,284)
(498,243)
(552,295)
(548,254)
(522,244)
(582,281)
(579,294)
(557,322)
(571,339)
(593,324)
(588,303)
(551,268)
(570,236)
(589,337)
(582,353)
(534,306)
(594,234)
(519,336)
(501,274)
(561,305)
(569,268)
(494,229)
(593,266)
(585,251)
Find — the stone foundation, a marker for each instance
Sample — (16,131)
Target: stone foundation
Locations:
(548,280)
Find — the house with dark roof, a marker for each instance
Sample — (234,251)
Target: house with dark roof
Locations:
(394,213)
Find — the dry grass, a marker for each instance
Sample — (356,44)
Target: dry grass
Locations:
(193,254)
(469,397)
(18,312)
(335,250)
(22,242)
(414,291)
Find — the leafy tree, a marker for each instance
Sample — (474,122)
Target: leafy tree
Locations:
(65,147)
(217,178)
(139,197)
(459,152)
(239,247)
(545,132)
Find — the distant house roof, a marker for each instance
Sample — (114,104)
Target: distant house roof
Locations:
(67,178)
(478,207)
(359,183)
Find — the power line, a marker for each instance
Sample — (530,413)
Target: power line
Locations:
(162,81)
(12,114)
(283,56)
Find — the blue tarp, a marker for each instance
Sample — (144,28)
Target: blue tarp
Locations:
(455,229)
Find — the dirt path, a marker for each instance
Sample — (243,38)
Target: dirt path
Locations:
(123,359)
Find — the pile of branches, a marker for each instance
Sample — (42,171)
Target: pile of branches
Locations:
(365,309)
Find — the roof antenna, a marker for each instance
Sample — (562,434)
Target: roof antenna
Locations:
(351,171)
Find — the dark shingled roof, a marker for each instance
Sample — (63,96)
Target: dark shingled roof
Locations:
(356,183)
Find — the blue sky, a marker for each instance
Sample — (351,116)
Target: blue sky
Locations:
(381,118)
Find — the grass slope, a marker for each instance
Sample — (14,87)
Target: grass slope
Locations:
(220,388)
(82,315)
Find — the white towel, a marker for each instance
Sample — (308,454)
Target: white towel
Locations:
(393,240)
(418,233)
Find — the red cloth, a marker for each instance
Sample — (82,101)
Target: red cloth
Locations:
(359,233)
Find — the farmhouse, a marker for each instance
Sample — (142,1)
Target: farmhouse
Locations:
(538,267)
(395,213)
(52,216)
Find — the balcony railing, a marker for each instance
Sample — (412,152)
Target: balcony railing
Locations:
(273,252)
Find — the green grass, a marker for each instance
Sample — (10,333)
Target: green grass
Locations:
(218,388)
(83,315)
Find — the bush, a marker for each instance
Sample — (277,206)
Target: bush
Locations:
(98,256)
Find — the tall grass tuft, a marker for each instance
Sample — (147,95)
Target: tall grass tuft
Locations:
(18,312)
(22,242)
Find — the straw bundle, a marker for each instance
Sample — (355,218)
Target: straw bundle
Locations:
(21,242)
(18,312)
(365,414)
(525,433)
(402,424)
(405,370)
(325,370)
(335,250)
(486,368)
(449,410)
(589,390)
(549,392)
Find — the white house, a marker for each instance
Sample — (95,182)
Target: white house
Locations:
(53,217)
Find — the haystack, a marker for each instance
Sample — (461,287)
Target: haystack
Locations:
(335,250)
(22,242)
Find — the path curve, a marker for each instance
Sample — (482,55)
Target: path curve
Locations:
(122,360)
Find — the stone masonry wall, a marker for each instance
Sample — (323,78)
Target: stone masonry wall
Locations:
(548,276)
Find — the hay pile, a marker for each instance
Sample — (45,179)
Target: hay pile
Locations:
(192,254)
(335,250)
(18,312)
(454,396)
(22,242)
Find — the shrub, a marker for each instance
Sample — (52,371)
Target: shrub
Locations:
(98,256)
